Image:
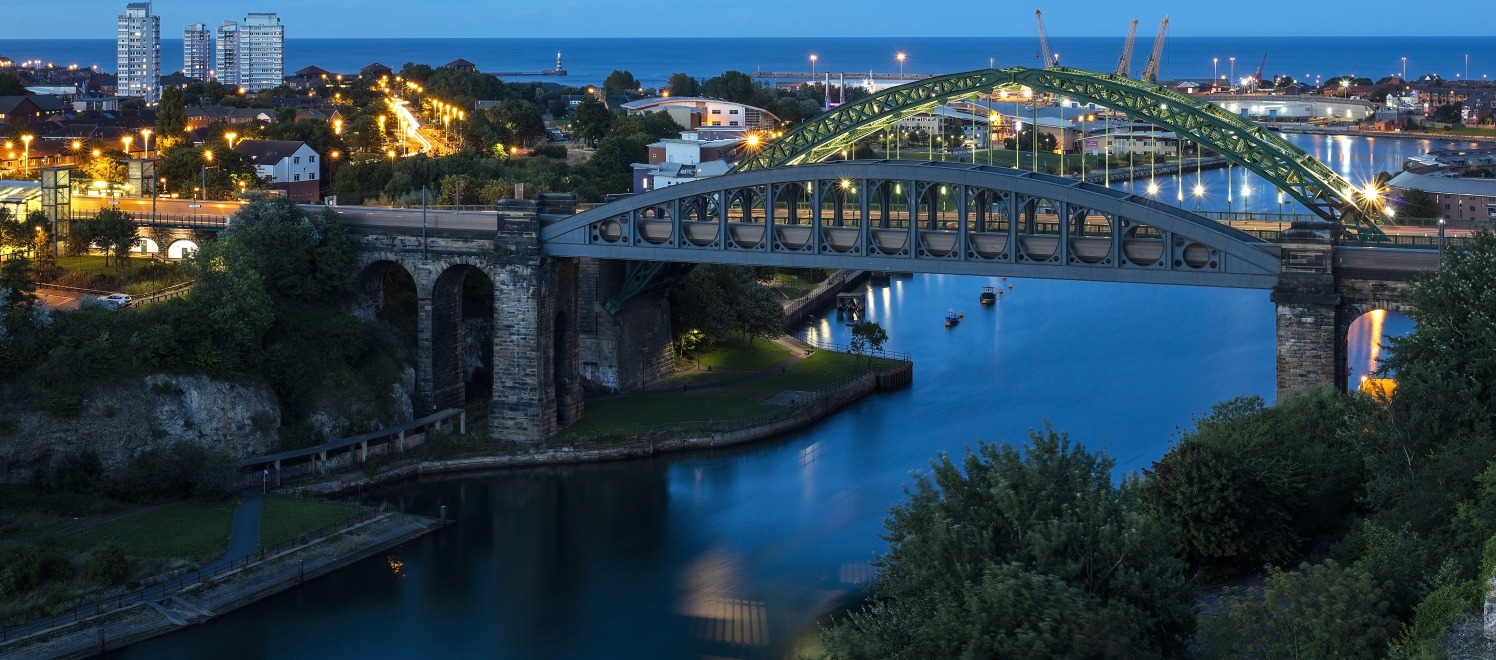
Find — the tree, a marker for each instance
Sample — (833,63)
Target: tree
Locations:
(1047,142)
(867,335)
(592,120)
(734,86)
(620,81)
(17,289)
(1042,531)
(171,117)
(1415,203)
(682,84)
(521,120)
(115,232)
(1318,611)
(11,85)
(107,564)
(725,300)
(1449,113)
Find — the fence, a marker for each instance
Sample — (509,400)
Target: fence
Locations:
(96,607)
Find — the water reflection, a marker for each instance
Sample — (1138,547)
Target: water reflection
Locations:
(1367,341)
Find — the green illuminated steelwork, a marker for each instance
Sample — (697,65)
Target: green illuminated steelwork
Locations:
(1240,141)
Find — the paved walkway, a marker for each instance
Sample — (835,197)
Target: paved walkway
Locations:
(244,536)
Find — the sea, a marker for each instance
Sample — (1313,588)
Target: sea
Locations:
(653,60)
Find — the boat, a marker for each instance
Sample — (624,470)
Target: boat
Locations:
(951,318)
(989,295)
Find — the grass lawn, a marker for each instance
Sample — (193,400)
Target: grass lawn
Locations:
(724,402)
(285,518)
(140,276)
(739,355)
(192,530)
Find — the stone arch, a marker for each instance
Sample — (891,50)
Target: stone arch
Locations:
(392,296)
(146,246)
(462,312)
(1366,329)
(181,248)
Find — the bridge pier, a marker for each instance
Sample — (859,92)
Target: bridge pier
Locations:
(1311,347)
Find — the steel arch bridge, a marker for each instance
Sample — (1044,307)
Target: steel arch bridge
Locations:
(936,217)
(1240,141)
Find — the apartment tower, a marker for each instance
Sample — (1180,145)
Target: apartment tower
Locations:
(138,53)
(197,51)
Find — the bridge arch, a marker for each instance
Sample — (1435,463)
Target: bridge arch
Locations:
(1241,141)
(462,319)
(145,246)
(181,248)
(913,216)
(393,297)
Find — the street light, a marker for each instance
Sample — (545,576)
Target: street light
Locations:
(1345,87)
(207,158)
(1405,69)
(1441,243)
(901,57)
(1215,68)
(26,143)
(146,142)
(813,58)
(1233,68)
(127,140)
(230,137)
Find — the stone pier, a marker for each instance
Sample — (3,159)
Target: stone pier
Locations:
(1311,347)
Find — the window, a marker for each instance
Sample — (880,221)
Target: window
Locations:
(716,112)
(311,176)
(311,159)
(296,160)
(295,177)
(732,112)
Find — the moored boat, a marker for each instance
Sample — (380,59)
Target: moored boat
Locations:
(988,296)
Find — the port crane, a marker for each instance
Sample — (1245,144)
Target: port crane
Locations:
(1257,77)
(1048,57)
(1126,61)
(1150,74)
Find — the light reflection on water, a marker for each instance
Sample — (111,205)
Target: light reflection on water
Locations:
(736,552)
(1367,342)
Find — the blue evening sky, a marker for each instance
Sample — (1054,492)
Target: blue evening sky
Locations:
(771,18)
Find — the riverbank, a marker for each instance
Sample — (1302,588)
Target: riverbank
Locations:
(801,409)
(140,616)
(1309,129)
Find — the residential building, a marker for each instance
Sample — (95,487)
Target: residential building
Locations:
(197,51)
(290,165)
(460,64)
(226,57)
(262,52)
(30,109)
(138,52)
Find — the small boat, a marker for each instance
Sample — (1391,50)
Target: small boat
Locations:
(951,318)
(989,295)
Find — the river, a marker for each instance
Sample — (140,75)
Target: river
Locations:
(737,553)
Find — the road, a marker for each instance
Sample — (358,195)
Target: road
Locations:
(411,123)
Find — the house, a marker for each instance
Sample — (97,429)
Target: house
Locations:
(1455,198)
(290,165)
(29,109)
(376,70)
(463,65)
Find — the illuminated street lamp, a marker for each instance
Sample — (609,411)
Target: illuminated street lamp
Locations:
(26,143)
(900,58)
(230,138)
(813,58)
(127,140)
(146,142)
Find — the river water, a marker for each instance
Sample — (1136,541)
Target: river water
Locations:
(737,553)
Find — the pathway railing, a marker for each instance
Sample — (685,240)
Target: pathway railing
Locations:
(86,607)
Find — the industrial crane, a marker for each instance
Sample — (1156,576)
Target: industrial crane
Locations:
(1126,61)
(1049,59)
(1150,74)
(1257,77)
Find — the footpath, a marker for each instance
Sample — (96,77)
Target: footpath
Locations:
(233,581)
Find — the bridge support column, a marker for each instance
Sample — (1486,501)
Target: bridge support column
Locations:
(424,380)
(1311,350)
(536,384)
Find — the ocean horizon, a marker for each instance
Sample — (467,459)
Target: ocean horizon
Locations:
(652,60)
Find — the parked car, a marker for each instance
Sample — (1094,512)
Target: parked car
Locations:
(116,300)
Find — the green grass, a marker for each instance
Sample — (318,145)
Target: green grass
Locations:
(739,355)
(285,518)
(140,276)
(193,530)
(738,399)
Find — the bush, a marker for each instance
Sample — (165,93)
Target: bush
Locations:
(1319,611)
(1423,638)
(550,151)
(78,472)
(107,564)
(63,405)
(183,469)
(20,569)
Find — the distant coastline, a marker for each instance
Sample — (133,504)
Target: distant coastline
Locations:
(652,60)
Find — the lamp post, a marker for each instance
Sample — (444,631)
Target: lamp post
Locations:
(230,138)
(127,140)
(26,158)
(1405,69)
(900,57)
(207,158)
(1215,68)
(1441,243)
(1233,69)
(145,143)
(813,58)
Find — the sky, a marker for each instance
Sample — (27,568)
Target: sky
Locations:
(94,19)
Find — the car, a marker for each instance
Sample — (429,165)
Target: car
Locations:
(116,300)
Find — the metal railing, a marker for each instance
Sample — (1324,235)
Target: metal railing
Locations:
(85,608)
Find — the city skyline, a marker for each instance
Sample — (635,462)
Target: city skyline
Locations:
(452,18)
